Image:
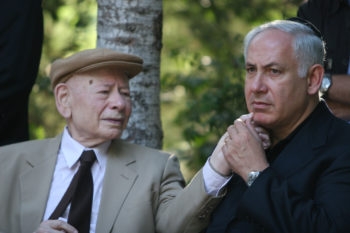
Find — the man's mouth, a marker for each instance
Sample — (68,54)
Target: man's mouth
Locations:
(259,105)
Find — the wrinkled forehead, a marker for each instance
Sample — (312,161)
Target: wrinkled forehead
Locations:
(105,76)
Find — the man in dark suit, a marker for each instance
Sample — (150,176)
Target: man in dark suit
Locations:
(131,188)
(332,18)
(21,38)
(301,184)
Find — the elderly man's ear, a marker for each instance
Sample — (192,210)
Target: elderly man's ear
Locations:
(315,78)
(62,97)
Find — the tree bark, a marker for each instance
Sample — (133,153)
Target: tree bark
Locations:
(135,27)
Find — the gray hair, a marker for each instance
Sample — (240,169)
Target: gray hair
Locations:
(308,48)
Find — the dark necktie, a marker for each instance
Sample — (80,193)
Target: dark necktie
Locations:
(79,193)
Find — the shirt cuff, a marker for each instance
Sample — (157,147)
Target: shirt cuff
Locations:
(213,181)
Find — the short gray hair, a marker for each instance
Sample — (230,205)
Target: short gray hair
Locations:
(309,49)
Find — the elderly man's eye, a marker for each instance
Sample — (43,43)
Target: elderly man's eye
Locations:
(104,92)
(126,93)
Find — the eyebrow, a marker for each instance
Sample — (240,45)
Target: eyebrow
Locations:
(267,65)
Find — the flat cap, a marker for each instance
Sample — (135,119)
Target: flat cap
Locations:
(63,69)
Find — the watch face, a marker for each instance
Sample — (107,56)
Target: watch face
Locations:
(326,83)
(252,176)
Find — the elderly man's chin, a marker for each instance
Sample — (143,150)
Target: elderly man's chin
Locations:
(111,133)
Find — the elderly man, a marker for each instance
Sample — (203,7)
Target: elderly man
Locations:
(116,186)
(301,184)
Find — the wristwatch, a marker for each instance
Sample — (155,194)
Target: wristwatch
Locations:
(251,177)
(326,83)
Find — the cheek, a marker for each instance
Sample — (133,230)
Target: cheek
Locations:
(89,109)
(287,92)
(246,92)
(128,106)
(126,111)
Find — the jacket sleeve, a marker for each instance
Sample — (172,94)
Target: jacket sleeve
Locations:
(183,209)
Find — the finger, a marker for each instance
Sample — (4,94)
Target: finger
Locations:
(223,139)
(246,116)
(231,130)
(220,144)
(68,228)
(239,123)
(62,226)
(227,140)
(264,136)
(259,129)
(252,129)
(266,145)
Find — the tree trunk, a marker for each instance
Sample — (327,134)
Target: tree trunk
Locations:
(135,27)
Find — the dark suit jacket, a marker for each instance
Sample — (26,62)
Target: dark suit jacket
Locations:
(142,190)
(305,190)
(21,37)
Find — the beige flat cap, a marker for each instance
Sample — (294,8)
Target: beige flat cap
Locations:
(63,69)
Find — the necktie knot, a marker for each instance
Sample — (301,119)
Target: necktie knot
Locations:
(87,158)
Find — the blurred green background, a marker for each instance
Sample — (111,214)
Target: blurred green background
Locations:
(201,66)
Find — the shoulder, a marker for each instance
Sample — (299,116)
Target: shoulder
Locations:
(339,132)
(30,149)
(143,159)
(140,152)
(331,132)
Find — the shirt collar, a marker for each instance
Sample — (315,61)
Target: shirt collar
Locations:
(72,149)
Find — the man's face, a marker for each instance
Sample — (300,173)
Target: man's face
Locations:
(273,90)
(100,106)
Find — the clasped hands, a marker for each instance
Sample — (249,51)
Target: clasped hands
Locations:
(241,149)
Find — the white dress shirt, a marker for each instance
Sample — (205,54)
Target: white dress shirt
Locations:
(213,181)
(67,165)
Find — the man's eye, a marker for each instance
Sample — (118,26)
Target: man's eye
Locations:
(105,92)
(275,71)
(250,69)
(125,93)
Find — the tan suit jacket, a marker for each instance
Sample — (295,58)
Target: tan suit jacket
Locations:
(142,191)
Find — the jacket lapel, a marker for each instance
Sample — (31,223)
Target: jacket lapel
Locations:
(34,194)
(303,147)
(118,180)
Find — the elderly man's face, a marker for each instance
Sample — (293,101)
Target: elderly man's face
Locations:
(100,106)
(274,92)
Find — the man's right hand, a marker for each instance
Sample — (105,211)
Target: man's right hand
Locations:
(55,226)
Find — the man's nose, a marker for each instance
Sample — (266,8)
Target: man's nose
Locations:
(258,83)
(118,100)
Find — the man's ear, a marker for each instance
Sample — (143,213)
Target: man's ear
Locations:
(314,78)
(62,97)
